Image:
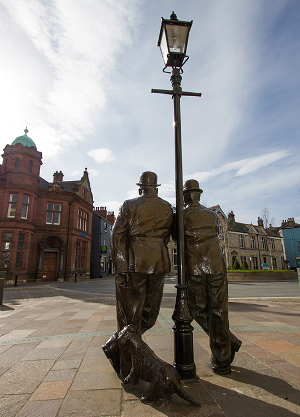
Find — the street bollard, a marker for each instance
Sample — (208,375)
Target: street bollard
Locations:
(16,281)
(76,276)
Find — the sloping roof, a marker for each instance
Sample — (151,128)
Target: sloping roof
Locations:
(43,184)
(273,232)
(67,186)
(237,227)
(218,209)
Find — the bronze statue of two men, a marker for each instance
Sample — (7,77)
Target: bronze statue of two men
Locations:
(140,256)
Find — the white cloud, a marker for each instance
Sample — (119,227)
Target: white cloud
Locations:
(253,164)
(243,167)
(101,155)
(75,173)
(112,206)
(93,173)
(75,46)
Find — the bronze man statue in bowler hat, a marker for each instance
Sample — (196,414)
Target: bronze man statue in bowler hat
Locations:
(140,257)
(207,279)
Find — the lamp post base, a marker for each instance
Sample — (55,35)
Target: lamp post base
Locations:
(183,336)
(184,353)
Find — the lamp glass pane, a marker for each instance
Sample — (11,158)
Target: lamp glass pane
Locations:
(177,37)
(164,47)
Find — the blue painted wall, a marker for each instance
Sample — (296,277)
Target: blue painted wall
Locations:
(100,261)
(291,239)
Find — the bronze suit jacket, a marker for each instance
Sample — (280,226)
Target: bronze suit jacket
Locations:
(140,236)
(203,254)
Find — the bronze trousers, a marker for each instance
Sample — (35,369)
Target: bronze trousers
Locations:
(208,304)
(138,303)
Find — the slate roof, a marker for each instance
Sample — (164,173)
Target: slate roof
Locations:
(273,232)
(237,227)
(43,184)
(66,185)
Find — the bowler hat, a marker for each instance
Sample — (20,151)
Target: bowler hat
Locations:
(148,178)
(192,185)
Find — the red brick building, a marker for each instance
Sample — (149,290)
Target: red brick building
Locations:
(45,228)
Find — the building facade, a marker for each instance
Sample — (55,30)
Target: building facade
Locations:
(45,227)
(101,262)
(290,234)
(260,248)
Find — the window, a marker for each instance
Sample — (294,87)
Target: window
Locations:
(241,241)
(82,220)
(252,242)
(81,246)
(254,259)
(272,245)
(12,206)
(7,244)
(262,243)
(219,228)
(103,264)
(175,259)
(264,259)
(104,242)
(30,166)
(17,163)
(105,226)
(274,263)
(25,207)
(298,246)
(53,213)
(20,250)
(5,164)
(243,258)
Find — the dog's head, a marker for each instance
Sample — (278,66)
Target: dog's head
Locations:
(127,334)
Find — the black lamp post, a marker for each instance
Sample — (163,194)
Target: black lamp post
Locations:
(172,41)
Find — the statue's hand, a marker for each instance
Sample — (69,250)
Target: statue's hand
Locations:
(122,279)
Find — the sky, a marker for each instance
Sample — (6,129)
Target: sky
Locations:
(79,75)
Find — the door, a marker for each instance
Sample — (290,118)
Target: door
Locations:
(49,266)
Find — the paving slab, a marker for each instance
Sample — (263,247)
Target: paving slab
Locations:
(92,403)
(48,408)
(24,376)
(52,363)
(11,404)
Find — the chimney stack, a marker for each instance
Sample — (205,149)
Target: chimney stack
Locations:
(58,176)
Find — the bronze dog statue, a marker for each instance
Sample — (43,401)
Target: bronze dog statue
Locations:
(164,378)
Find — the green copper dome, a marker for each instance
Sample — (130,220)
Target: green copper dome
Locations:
(24,140)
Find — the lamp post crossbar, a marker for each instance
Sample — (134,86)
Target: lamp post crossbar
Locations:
(183,330)
(171,92)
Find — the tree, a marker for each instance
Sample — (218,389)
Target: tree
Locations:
(233,259)
(268,220)
(244,264)
(234,263)
(266,217)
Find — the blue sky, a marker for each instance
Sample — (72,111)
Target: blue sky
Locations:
(79,75)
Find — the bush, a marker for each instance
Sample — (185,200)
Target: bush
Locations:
(244,264)
(233,259)
(236,264)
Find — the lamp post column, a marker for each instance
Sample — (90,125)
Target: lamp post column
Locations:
(183,336)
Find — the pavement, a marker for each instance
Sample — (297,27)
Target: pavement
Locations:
(52,363)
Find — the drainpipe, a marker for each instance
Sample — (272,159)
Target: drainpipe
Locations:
(69,203)
(258,251)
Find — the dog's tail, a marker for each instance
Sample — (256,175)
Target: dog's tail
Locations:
(180,391)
